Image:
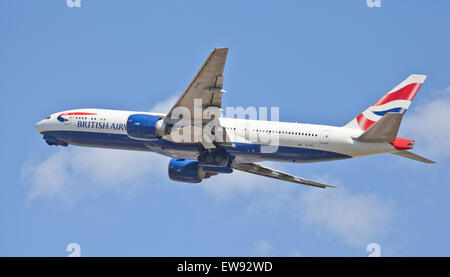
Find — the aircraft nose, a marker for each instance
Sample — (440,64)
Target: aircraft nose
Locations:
(39,128)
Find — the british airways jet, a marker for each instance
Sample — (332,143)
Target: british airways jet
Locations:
(212,144)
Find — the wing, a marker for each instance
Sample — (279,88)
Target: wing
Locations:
(205,87)
(272,173)
(207,83)
(411,155)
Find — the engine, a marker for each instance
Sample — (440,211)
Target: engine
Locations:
(190,171)
(144,126)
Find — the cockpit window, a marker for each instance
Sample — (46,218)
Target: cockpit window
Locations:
(48,117)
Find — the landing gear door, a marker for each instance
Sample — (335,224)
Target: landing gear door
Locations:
(324,136)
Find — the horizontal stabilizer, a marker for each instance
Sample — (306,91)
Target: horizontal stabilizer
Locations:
(410,155)
(272,173)
(383,130)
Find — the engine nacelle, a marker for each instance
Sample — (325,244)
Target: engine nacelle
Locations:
(188,171)
(144,126)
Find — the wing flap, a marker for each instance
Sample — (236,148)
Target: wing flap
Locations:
(276,174)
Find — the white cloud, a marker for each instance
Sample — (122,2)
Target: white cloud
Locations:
(428,125)
(70,174)
(164,106)
(296,253)
(263,248)
(354,218)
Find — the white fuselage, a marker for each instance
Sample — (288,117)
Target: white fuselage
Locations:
(295,142)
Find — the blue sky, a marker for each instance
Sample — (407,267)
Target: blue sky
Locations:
(319,61)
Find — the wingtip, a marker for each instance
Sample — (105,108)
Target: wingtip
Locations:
(330,186)
(220,49)
(321,185)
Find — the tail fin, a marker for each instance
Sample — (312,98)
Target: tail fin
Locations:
(395,101)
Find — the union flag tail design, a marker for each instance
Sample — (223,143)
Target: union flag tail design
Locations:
(397,100)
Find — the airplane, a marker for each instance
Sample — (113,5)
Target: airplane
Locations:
(235,143)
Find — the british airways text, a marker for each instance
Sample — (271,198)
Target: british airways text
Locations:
(101,125)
